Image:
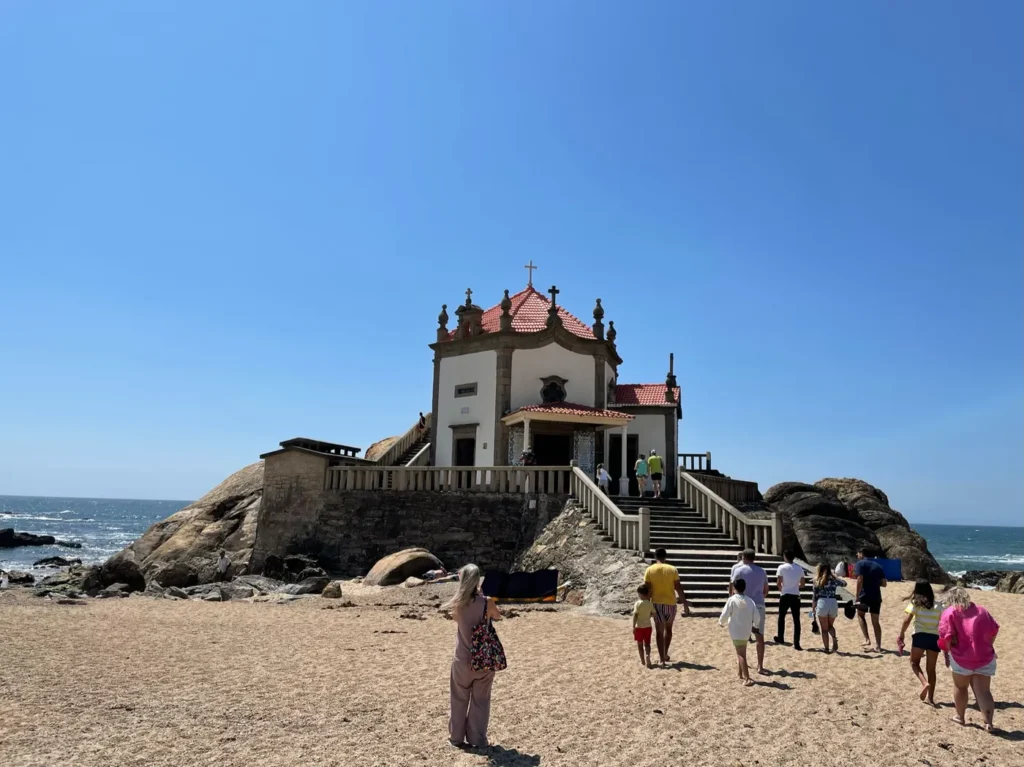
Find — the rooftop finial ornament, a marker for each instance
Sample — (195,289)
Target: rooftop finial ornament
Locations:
(553,318)
(529,267)
(506,312)
(442,323)
(598,325)
(611,331)
(469,296)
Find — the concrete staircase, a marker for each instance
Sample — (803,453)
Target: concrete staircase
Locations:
(703,555)
(412,450)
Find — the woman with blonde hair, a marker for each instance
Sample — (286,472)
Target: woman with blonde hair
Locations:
(470,690)
(967,632)
(824,603)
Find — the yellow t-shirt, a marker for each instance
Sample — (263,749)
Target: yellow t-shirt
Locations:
(654,464)
(925,621)
(662,579)
(643,611)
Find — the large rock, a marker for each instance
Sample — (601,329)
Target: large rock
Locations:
(114,570)
(292,568)
(56,562)
(395,568)
(182,550)
(260,583)
(309,586)
(894,535)
(823,527)
(332,590)
(20,578)
(1009,581)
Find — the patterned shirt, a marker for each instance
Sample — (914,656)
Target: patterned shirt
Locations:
(828,591)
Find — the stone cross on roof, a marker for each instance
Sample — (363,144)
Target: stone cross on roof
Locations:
(469,297)
(554,292)
(529,267)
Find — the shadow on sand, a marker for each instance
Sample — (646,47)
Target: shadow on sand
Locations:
(775,685)
(679,665)
(795,674)
(499,756)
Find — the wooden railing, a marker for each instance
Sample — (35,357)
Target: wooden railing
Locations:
(390,456)
(763,535)
(695,461)
(628,531)
(732,490)
(478,479)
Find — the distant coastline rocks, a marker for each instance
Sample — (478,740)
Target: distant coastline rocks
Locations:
(1007,581)
(9,539)
(834,517)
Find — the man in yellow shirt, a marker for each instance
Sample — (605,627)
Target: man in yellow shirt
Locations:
(666,591)
(656,467)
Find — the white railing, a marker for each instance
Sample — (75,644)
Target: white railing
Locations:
(422,458)
(695,461)
(479,479)
(390,456)
(628,531)
(763,535)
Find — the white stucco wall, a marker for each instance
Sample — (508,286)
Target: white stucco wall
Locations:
(529,366)
(479,368)
(651,429)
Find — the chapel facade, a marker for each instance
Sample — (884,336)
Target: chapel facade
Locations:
(527,374)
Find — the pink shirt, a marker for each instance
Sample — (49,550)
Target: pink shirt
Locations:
(974,630)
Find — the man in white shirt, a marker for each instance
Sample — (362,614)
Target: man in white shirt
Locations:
(757,589)
(223,563)
(790,579)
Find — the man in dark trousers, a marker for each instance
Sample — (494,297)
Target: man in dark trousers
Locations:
(870,582)
(790,578)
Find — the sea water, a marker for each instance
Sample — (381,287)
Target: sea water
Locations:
(103,526)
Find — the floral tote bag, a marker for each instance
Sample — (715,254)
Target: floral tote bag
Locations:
(487,654)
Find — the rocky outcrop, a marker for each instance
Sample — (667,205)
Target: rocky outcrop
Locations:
(182,549)
(20,578)
(1008,581)
(833,518)
(603,579)
(9,539)
(378,448)
(292,568)
(395,568)
(114,571)
(56,562)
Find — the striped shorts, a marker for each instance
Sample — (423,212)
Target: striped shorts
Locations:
(664,613)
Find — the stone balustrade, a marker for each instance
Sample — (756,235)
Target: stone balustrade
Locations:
(761,535)
(628,531)
(695,461)
(480,479)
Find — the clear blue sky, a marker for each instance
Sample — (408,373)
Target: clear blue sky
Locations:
(227,224)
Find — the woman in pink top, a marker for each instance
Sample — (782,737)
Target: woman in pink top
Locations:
(470,690)
(967,632)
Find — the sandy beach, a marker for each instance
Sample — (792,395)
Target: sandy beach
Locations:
(151,682)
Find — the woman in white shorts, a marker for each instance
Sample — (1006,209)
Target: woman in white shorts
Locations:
(824,603)
(967,631)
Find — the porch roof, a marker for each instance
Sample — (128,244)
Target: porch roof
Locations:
(566,412)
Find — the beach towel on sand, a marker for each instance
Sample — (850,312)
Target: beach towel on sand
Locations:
(541,586)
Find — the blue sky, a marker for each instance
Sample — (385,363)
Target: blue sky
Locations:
(229,224)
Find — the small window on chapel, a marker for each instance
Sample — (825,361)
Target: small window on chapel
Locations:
(465,390)
(553,389)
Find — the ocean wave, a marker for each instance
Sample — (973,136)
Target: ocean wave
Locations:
(1006,559)
(21,517)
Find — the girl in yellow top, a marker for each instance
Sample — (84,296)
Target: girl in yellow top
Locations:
(925,614)
(643,612)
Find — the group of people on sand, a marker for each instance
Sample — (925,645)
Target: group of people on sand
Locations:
(962,631)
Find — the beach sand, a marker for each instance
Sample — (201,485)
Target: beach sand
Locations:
(151,682)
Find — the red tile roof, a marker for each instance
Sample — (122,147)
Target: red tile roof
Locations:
(570,408)
(643,394)
(530,314)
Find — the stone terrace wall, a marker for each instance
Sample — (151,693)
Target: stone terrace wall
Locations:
(347,531)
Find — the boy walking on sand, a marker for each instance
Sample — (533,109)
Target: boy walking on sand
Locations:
(643,612)
(743,617)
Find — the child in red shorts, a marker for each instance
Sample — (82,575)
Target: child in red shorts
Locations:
(643,612)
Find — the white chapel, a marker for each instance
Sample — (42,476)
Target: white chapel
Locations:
(526,374)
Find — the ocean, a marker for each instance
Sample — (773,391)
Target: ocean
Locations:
(105,526)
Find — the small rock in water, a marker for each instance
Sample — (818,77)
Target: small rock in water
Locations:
(56,562)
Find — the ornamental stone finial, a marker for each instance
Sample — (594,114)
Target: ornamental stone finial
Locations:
(442,323)
(598,327)
(611,331)
(506,312)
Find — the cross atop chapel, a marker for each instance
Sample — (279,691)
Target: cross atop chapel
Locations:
(529,267)
(554,292)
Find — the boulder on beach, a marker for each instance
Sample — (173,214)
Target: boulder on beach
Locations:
(17,577)
(182,550)
(332,590)
(115,570)
(1008,581)
(395,568)
(292,568)
(833,518)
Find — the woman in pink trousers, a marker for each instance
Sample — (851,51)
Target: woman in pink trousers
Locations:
(470,690)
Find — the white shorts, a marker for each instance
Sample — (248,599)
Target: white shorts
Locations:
(828,608)
(989,669)
(759,624)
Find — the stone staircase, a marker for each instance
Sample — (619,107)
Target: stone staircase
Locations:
(703,555)
(412,450)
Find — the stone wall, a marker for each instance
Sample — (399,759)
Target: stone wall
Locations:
(347,531)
